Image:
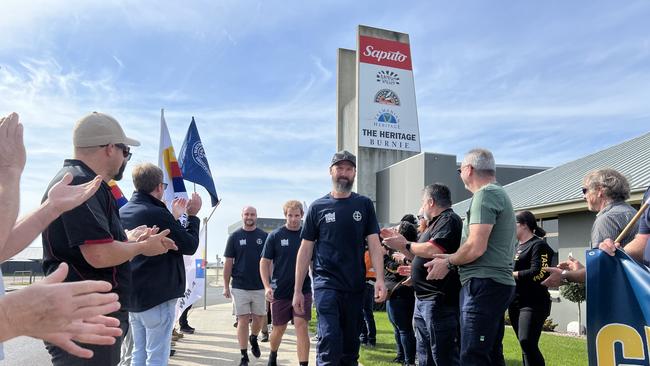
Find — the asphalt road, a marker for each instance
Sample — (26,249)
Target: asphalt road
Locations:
(25,351)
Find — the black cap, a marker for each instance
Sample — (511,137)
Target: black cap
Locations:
(344,155)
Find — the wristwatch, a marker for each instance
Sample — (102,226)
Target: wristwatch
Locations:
(450,266)
(408,246)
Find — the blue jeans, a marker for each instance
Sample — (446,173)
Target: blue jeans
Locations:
(400,314)
(339,322)
(436,331)
(152,334)
(368,328)
(483,305)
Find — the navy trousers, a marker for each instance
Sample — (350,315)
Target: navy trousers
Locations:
(483,306)
(339,324)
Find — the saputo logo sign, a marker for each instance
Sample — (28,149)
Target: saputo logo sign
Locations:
(384,52)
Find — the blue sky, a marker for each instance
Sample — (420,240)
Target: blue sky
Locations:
(539,83)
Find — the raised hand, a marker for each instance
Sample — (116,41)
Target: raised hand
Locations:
(12,147)
(64,197)
(179,207)
(158,244)
(194,204)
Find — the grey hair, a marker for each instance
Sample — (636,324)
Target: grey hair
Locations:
(482,161)
(614,184)
(439,193)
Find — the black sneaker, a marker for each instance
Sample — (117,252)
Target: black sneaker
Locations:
(244,361)
(255,347)
(272,363)
(398,359)
(187,329)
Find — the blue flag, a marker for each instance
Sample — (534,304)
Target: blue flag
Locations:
(194,164)
(618,310)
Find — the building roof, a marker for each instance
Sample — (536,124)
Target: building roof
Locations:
(560,186)
(28,254)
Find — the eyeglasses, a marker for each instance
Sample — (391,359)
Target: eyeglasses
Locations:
(420,217)
(164,186)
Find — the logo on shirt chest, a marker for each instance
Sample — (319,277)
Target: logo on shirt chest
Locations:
(357,216)
(259,241)
(242,241)
(330,217)
(284,242)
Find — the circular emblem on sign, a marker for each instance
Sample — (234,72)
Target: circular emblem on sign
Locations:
(259,241)
(387,96)
(356,216)
(387,116)
(388,77)
(198,155)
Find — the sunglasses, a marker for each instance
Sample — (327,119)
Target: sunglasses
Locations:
(460,170)
(584,190)
(126,151)
(420,217)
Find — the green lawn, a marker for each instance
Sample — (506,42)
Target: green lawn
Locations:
(557,350)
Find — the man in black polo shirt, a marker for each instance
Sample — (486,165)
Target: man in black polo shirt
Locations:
(157,282)
(279,256)
(243,253)
(334,232)
(90,238)
(436,306)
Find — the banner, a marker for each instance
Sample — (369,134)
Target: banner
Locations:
(194,164)
(387,111)
(194,276)
(172,175)
(618,310)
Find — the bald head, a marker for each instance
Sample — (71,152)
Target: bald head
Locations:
(249,218)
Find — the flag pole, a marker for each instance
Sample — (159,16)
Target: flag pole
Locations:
(205,261)
(631,224)
(205,256)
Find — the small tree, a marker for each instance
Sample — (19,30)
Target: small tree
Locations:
(575,292)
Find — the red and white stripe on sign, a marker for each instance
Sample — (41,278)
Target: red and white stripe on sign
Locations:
(384,52)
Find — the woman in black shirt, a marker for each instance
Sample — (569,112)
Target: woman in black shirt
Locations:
(532,303)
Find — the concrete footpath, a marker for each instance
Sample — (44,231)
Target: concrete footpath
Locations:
(215,341)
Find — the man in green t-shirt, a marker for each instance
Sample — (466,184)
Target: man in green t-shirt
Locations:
(484,262)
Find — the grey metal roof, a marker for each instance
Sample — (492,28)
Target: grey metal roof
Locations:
(562,184)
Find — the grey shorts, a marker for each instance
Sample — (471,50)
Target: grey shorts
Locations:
(248,301)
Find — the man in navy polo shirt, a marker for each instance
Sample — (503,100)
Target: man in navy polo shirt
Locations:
(90,237)
(157,282)
(243,253)
(335,229)
(279,256)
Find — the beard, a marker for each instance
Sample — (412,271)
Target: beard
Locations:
(120,173)
(343,185)
(249,222)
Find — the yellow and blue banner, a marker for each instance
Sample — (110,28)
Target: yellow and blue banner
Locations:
(618,310)
(172,175)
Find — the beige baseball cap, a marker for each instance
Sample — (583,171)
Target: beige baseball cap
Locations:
(96,129)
